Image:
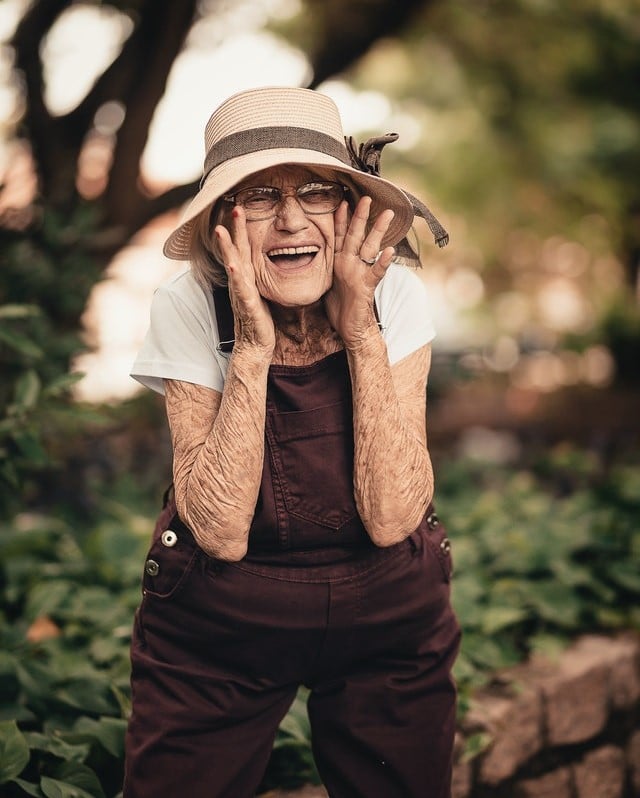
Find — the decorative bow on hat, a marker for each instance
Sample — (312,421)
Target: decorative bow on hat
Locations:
(366,157)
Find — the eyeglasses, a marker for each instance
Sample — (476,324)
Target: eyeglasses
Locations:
(259,202)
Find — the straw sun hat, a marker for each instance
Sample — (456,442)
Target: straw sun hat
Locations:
(271,126)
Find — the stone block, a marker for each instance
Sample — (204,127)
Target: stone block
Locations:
(600,774)
(515,726)
(556,784)
(461,782)
(621,656)
(624,656)
(576,696)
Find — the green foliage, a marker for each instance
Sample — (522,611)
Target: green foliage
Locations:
(548,121)
(620,331)
(67,604)
(540,556)
(45,280)
(291,760)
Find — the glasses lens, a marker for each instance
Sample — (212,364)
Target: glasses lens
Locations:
(259,200)
(320,197)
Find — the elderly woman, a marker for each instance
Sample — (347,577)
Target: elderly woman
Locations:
(302,548)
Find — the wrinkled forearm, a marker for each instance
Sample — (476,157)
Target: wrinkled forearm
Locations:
(393,476)
(218,444)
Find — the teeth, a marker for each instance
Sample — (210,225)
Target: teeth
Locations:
(293,251)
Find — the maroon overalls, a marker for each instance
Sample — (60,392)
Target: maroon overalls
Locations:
(220,648)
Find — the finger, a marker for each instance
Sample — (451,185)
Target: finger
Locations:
(234,244)
(357,227)
(374,274)
(371,245)
(233,264)
(340,225)
(384,261)
(239,231)
(227,247)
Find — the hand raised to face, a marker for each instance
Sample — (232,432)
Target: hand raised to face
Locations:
(358,267)
(253,321)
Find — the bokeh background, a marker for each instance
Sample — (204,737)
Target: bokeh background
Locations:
(519,125)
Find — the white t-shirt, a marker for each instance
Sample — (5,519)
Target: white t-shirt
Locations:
(181,343)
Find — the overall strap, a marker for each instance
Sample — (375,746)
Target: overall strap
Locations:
(224,318)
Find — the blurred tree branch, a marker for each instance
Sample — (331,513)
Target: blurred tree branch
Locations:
(136,79)
(48,140)
(344,31)
(159,37)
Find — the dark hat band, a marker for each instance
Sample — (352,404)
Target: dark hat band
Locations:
(270,138)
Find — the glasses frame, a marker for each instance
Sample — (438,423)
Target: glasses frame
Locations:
(232,198)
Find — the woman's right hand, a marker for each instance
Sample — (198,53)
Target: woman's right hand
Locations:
(253,322)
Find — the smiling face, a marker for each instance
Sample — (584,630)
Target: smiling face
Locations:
(292,252)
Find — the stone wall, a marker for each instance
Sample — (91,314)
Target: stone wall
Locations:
(568,728)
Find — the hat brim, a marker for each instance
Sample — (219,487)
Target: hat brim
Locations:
(229,173)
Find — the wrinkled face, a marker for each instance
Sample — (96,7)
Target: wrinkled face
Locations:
(292,252)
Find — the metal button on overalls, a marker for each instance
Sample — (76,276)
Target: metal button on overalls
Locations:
(152,567)
(169,538)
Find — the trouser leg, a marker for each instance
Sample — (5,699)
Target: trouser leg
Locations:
(367,745)
(201,740)
(384,727)
(215,666)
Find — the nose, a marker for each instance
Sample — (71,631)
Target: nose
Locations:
(289,213)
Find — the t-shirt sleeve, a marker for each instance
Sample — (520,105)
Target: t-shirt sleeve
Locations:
(180,343)
(403,307)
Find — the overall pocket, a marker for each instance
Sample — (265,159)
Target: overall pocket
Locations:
(171,557)
(311,454)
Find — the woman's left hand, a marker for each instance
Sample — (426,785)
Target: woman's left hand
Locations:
(358,267)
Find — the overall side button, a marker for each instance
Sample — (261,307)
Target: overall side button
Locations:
(433,521)
(169,538)
(152,568)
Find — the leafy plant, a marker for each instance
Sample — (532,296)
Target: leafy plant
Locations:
(67,605)
(291,760)
(540,556)
(45,280)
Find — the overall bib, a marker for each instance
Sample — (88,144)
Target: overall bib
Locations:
(220,648)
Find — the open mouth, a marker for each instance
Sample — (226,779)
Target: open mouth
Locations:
(292,257)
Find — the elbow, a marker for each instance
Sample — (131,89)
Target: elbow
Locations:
(384,541)
(222,539)
(228,546)
(391,503)
(397,523)
(228,551)
(385,535)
